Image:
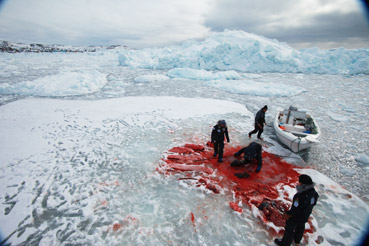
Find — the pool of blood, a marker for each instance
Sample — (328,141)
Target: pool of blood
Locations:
(196,163)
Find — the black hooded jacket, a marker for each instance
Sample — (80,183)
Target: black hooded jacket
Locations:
(218,133)
(260,117)
(303,202)
(252,151)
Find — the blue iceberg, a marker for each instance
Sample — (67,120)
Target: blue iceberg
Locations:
(246,52)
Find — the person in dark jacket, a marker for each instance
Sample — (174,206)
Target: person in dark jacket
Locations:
(217,138)
(259,122)
(302,206)
(250,152)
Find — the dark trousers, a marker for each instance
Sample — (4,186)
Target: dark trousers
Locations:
(257,129)
(293,231)
(218,149)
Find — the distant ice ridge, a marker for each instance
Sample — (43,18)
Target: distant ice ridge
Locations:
(245,52)
(61,84)
(249,87)
(188,73)
(233,82)
(150,78)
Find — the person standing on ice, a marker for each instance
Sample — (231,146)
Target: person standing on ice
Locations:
(217,138)
(302,206)
(259,122)
(250,152)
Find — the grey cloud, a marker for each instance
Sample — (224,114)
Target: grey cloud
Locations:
(48,34)
(244,14)
(262,18)
(334,27)
(144,24)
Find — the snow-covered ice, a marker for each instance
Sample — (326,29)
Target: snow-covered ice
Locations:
(63,84)
(251,87)
(150,78)
(233,82)
(195,74)
(94,166)
(362,160)
(83,158)
(82,133)
(240,51)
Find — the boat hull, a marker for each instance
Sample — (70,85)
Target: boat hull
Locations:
(293,142)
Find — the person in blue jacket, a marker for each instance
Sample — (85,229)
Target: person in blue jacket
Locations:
(250,152)
(259,122)
(302,206)
(218,134)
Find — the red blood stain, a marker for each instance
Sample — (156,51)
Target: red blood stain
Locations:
(116,226)
(274,211)
(182,150)
(194,159)
(115,183)
(195,147)
(312,228)
(129,218)
(213,188)
(184,167)
(320,239)
(235,207)
(197,163)
(123,223)
(193,220)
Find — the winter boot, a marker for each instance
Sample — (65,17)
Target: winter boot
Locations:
(278,241)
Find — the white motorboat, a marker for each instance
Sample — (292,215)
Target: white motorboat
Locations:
(296,129)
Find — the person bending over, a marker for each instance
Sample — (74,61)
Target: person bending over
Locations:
(250,152)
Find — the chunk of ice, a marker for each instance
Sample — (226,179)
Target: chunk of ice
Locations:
(150,78)
(362,160)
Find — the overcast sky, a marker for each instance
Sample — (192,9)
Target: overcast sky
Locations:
(157,23)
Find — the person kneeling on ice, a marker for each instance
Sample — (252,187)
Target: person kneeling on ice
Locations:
(250,152)
(217,138)
(302,205)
